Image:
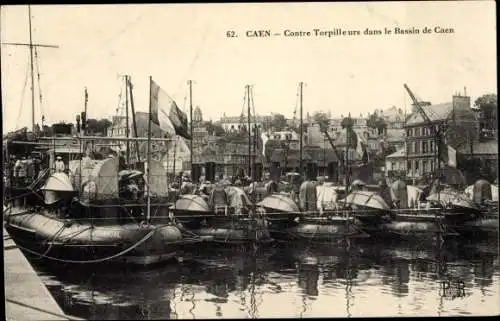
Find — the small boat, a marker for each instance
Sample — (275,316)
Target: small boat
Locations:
(226,216)
(456,207)
(89,224)
(378,219)
(485,196)
(288,221)
(83,210)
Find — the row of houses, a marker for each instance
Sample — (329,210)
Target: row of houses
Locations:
(459,126)
(411,137)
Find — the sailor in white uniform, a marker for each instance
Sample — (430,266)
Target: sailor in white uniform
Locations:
(59,165)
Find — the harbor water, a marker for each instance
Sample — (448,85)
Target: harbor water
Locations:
(290,280)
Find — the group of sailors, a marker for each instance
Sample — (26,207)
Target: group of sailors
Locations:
(29,167)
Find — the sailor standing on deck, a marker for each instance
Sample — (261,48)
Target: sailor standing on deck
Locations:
(59,165)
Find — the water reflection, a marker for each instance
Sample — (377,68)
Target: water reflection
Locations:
(289,280)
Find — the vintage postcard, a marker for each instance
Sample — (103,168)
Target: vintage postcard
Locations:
(250,160)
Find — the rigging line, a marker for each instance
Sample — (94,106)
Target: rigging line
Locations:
(185,98)
(22,96)
(253,107)
(296,107)
(242,121)
(37,65)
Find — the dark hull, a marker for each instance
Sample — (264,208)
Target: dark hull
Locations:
(410,225)
(222,229)
(485,226)
(324,228)
(459,215)
(69,241)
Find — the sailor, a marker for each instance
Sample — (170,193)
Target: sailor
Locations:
(17,168)
(133,190)
(59,165)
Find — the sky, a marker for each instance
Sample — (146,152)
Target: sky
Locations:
(174,43)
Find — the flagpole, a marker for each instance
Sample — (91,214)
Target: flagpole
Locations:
(148,213)
(191,126)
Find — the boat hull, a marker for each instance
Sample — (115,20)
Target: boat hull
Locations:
(485,226)
(224,229)
(69,241)
(319,229)
(407,225)
(234,231)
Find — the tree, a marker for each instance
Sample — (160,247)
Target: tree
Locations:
(351,137)
(94,126)
(103,125)
(376,122)
(214,128)
(322,120)
(278,122)
(487,104)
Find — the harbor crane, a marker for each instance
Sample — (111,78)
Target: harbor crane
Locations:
(436,131)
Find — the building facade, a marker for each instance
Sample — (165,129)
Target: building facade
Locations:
(395,164)
(229,153)
(159,150)
(233,124)
(455,120)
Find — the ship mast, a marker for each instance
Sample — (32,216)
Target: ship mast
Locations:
(148,213)
(127,129)
(249,134)
(191,127)
(129,85)
(32,74)
(301,131)
(31,45)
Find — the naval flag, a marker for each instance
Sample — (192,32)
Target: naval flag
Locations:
(166,114)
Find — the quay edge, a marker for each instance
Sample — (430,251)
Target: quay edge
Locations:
(26,297)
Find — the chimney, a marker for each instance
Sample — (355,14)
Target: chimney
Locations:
(461,102)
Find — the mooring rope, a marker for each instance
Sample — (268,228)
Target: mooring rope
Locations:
(144,239)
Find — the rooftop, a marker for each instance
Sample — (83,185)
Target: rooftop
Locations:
(395,135)
(434,112)
(484,148)
(398,154)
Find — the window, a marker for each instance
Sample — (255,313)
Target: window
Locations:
(393,166)
(424,166)
(417,131)
(408,164)
(432,146)
(409,132)
(424,147)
